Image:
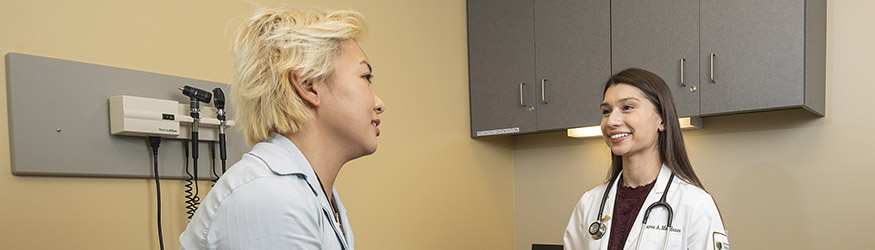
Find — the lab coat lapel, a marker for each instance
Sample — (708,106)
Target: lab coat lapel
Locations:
(655,194)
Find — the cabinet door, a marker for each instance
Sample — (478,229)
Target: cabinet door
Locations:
(756,49)
(661,36)
(572,59)
(501,66)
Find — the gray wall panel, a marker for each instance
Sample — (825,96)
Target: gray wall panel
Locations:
(46,94)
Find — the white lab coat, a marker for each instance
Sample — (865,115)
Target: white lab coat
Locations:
(696,224)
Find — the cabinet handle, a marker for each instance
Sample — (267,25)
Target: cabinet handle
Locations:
(712,67)
(683,60)
(522,100)
(543,95)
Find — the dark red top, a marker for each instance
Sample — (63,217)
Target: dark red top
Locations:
(626,206)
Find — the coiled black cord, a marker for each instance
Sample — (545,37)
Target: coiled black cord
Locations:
(191,203)
(155,142)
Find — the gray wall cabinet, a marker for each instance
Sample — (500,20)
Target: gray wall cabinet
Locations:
(501,52)
(661,36)
(538,65)
(535,65)
(572,60)
(762,55)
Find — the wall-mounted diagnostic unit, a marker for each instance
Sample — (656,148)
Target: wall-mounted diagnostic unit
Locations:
(142,116)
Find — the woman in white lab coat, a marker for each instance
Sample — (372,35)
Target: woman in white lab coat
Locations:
(303,95)
(640,125)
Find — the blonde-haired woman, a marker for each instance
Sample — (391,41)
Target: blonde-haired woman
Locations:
(303,96)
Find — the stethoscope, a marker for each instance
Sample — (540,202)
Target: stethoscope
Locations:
(598,228)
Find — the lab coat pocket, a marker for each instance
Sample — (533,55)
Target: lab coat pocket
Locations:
(676,239)
(654,237)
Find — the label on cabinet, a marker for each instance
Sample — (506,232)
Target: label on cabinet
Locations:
(500,131)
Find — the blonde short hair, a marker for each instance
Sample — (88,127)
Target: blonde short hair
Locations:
(271,46)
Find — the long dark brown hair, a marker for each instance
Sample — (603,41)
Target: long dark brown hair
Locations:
(672,151)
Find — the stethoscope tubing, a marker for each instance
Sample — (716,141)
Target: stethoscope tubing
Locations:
(662,203)
(597,229)
(668,209)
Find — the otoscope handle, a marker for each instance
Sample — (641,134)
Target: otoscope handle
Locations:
(194,147)
(222,153)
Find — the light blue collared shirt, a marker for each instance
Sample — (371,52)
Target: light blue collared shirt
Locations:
(270,199)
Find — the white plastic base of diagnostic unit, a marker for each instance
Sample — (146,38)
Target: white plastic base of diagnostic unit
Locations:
(208,127)
(141,116)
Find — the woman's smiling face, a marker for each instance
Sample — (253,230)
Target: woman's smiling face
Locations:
(630,122)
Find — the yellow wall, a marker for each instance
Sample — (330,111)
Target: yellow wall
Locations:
(429,186)
(783,180)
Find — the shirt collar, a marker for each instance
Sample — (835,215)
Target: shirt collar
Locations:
(287,159)
(659,187)
(293,162)
(283,157)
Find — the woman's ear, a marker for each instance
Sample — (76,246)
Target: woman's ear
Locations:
(661,125)
(305,90)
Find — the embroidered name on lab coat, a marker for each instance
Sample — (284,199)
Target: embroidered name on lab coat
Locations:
(663,227)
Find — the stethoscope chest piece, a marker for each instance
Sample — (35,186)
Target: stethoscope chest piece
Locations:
(597,230)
